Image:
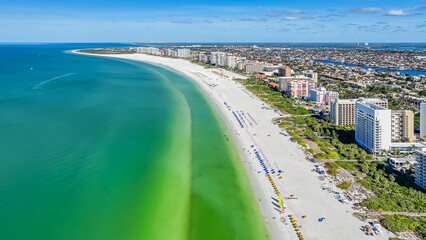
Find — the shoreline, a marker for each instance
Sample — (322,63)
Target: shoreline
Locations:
(277,150)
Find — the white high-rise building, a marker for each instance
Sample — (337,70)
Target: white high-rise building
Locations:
(148,50)
(221,59)
(421,169)
(373,126)
(331,96)
(183,53)
(230,61)
(318,95)
(423,121)
(217,58)
(202,58)
(170,53)
(252,67)
(313,76)
(212,59)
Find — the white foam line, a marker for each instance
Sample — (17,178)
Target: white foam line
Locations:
(52,79)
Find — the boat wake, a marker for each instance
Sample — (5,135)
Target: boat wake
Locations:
(38,86)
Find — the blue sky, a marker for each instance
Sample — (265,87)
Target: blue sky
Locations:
(212,21)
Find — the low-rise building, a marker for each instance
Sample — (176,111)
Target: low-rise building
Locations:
(399,163)
(406,147)
(354,84)
(284,71)
(414,100)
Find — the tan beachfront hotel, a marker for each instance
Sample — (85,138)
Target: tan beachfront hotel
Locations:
(342,111)
(402,125)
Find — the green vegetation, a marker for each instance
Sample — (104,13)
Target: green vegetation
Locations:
(286,123)
(334,141)
(399,223)
(392,193)
(320,156)
(344,185)
(382,89)
(332,168)
(377,90)
(311,150)
(205,65)
(291,128)
(273,98)
(417,119)
(300,141)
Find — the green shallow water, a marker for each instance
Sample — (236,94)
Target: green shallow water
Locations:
(116,150)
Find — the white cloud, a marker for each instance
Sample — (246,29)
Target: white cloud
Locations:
(227,19)
(274,14)
(292,18)
(253,19)
(294,11)
(364,10)
(398,13)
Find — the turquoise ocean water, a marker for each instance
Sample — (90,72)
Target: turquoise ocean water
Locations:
(99,148)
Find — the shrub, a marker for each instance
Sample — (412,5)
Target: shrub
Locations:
(320,156)
(293,134)
(303,143)
(334,154)
(333,171)
(347,165)
(344,185)
(398,223)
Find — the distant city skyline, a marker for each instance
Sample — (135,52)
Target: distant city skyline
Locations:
(218,21)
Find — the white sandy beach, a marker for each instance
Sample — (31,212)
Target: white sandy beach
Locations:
(278,152)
